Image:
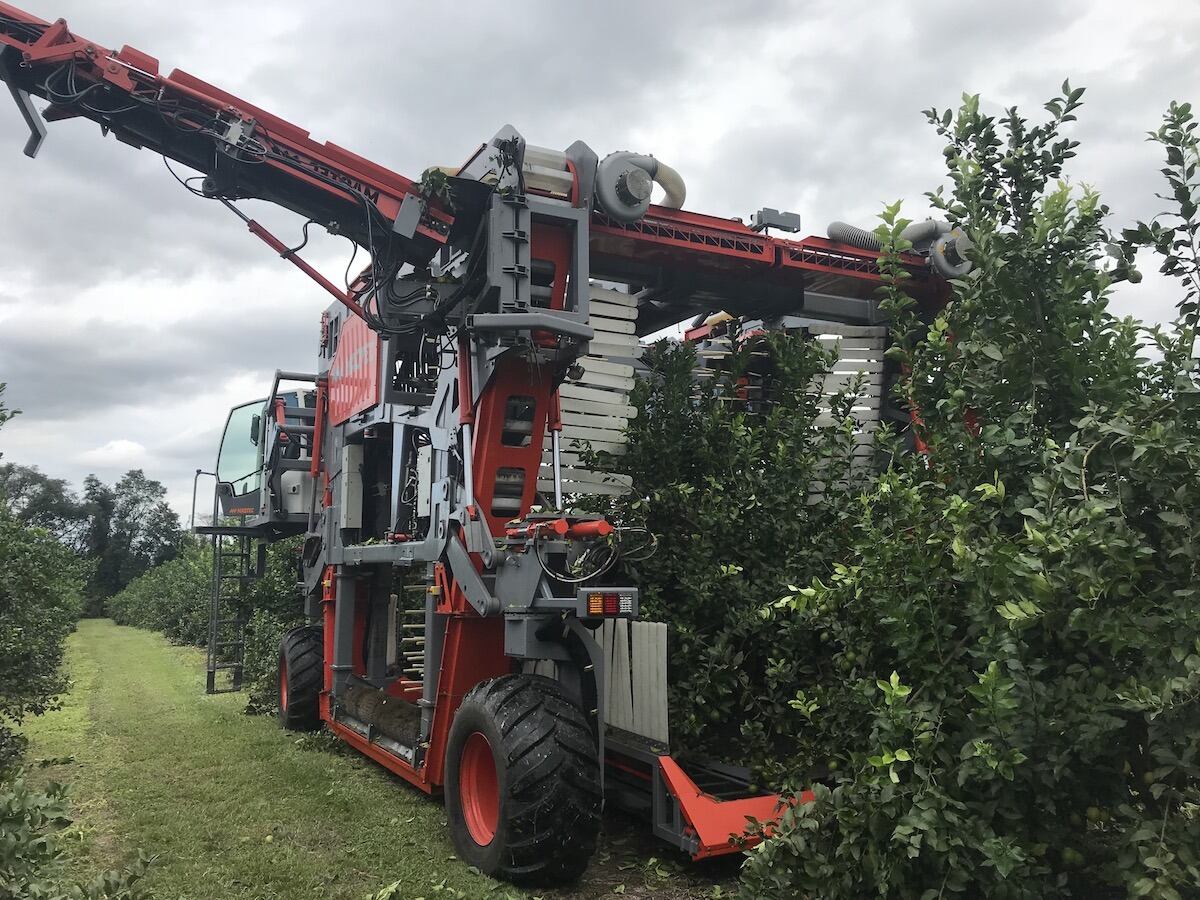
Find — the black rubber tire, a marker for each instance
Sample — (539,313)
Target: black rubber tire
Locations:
(547,774)
(301,653)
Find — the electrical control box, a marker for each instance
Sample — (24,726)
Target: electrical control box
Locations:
(351,507)
(424,480)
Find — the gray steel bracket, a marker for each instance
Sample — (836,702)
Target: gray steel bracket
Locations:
(409,215)
(596,659)
(468,579)
(585,160)
(542,321)
(480,540)
(37,127)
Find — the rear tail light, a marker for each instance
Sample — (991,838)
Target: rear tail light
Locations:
(609,603)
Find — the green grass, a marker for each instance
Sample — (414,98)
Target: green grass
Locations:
(234,807)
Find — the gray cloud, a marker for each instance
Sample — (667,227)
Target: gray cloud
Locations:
(103,366)
(813,108)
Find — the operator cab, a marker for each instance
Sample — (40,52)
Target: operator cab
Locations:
(263,465)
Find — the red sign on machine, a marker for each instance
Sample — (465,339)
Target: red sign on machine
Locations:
(354,375)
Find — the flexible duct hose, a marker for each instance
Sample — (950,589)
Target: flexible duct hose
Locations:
(948,255)
(868,240)
(924,231)
(850,234)
(624,182)
(672,183)
(946,247)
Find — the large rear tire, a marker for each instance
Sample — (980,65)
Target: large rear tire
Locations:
(301,662)
(522,781)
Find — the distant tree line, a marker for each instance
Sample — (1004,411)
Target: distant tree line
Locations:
(120,531)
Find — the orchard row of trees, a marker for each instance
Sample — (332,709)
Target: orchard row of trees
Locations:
(41,598)
(173,598)
(121,531)
(46,569)
(62,556)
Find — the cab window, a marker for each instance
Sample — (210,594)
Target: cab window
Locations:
(240,460)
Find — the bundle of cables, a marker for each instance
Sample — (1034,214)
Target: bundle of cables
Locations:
(601,556)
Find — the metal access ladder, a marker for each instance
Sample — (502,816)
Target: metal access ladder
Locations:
(232,572)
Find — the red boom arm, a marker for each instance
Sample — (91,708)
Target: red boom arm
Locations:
(243,150)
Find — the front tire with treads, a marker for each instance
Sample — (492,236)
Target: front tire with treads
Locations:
(523,781)
(301,663)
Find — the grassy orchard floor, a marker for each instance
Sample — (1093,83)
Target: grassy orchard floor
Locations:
(234,807)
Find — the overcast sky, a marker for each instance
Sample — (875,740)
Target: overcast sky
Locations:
(133,315)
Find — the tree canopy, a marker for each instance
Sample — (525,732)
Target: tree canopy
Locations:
(984,658)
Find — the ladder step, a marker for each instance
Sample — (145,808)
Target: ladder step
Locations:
(226,636)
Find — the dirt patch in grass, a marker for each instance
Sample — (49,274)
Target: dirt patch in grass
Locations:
(631,862)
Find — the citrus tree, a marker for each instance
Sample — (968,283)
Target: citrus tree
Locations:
(727,487)
(40,601)
(986,657)
(1021,718)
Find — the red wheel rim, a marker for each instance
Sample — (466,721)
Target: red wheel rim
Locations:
(478,789)
(283,685)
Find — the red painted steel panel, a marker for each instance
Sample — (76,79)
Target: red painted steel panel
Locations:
(389,761)
(715,821)
(354,375)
